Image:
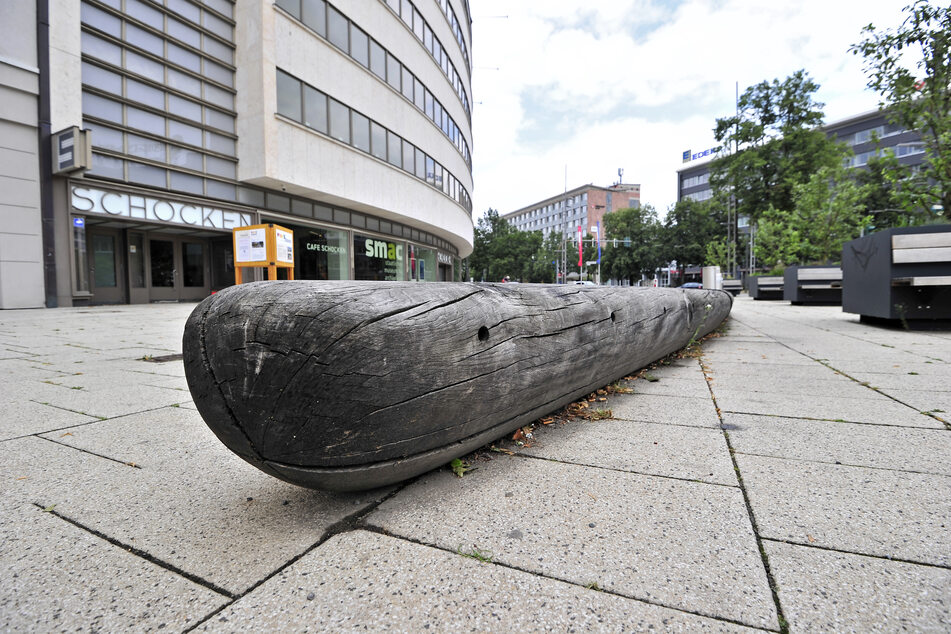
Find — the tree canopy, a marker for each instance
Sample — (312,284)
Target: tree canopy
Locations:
(916,97)
(773,144)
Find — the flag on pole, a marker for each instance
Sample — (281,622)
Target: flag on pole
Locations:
(580,243)
(598,225)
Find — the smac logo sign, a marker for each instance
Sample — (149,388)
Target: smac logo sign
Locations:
(383,250)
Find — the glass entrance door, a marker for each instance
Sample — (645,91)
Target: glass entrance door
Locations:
(105,268)
(178,269)
(162,271)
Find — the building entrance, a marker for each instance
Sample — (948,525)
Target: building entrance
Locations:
(178,269)
(106,273)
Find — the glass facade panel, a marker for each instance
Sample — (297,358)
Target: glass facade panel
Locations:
(375,259)
(360,131)
(315,109)
(322,254)
(379,141)
(184,133)
(359,45)
(145,94)
(147,175)
(288,96)
(101,78)
(185,108)
(145,148)
(101,49)
(377,60)
(314,15)
(338,30)
(145,121)
(103,137)
(394,152)
(148,68)
(104,260)
(339,121)
(193,271)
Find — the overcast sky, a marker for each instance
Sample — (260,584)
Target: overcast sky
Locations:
(597,85)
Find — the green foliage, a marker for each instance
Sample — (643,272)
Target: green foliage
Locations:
(717,253)
(827,211)
(500,251)
(775,144)
(645,253)
(916,98)
(690,228)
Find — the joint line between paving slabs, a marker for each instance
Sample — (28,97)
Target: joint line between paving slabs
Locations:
(349,523)
(773,587)
(86,451)
(138,552)
(900,560)
(849,464)
(381,531)
(619,470)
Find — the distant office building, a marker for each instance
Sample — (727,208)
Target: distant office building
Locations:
(858,132)
(347,121)
(583,207)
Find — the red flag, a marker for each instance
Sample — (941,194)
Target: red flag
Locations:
(580,257)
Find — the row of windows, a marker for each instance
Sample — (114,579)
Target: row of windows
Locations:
(706,194)
(456,27)
(904,149)
(865,136)
(305,104)
(420,28)
(693,181)
(105,166)
(335,27)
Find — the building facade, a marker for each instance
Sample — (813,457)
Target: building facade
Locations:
(866,134)
(348,122)
(583,207)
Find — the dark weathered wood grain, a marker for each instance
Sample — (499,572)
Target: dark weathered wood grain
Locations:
(351,385)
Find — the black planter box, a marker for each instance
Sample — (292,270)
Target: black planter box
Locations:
(899,274)
(765,286)
(813,285)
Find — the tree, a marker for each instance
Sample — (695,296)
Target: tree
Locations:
(643,255)
(917,98)
(774,142)
(689,228)
(828,211)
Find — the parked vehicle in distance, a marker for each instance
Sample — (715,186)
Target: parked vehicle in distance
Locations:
(692,285)
(585,283)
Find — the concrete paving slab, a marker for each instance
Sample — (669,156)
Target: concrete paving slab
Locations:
(874,411)
(900,448)
(887,366)
(679,544)
(115,400)
(687,453)
(750,352)
(188,502)
(57,577)
(363,580)
(918,381)
(24,417)
(663,408)
(825,591)
(877,512)
(822,382)
(695,386)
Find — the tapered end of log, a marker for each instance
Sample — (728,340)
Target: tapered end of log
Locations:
(354,385)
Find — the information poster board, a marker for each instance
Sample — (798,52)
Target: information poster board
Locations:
(269,246)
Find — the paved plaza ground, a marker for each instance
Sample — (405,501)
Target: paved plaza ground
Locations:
(795,476)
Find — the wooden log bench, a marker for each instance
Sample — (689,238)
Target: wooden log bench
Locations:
(354,385)
(765,286)
(899,274)
(813,285)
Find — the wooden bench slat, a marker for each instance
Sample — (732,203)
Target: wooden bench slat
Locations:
(819,274)
(921,240)
(929,254)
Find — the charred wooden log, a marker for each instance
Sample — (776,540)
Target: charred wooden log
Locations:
(353,385)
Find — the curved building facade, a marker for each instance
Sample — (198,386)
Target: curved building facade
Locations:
(346,121)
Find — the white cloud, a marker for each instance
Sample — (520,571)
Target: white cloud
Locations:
(595,86)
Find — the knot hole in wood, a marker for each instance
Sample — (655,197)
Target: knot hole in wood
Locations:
(483,333)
